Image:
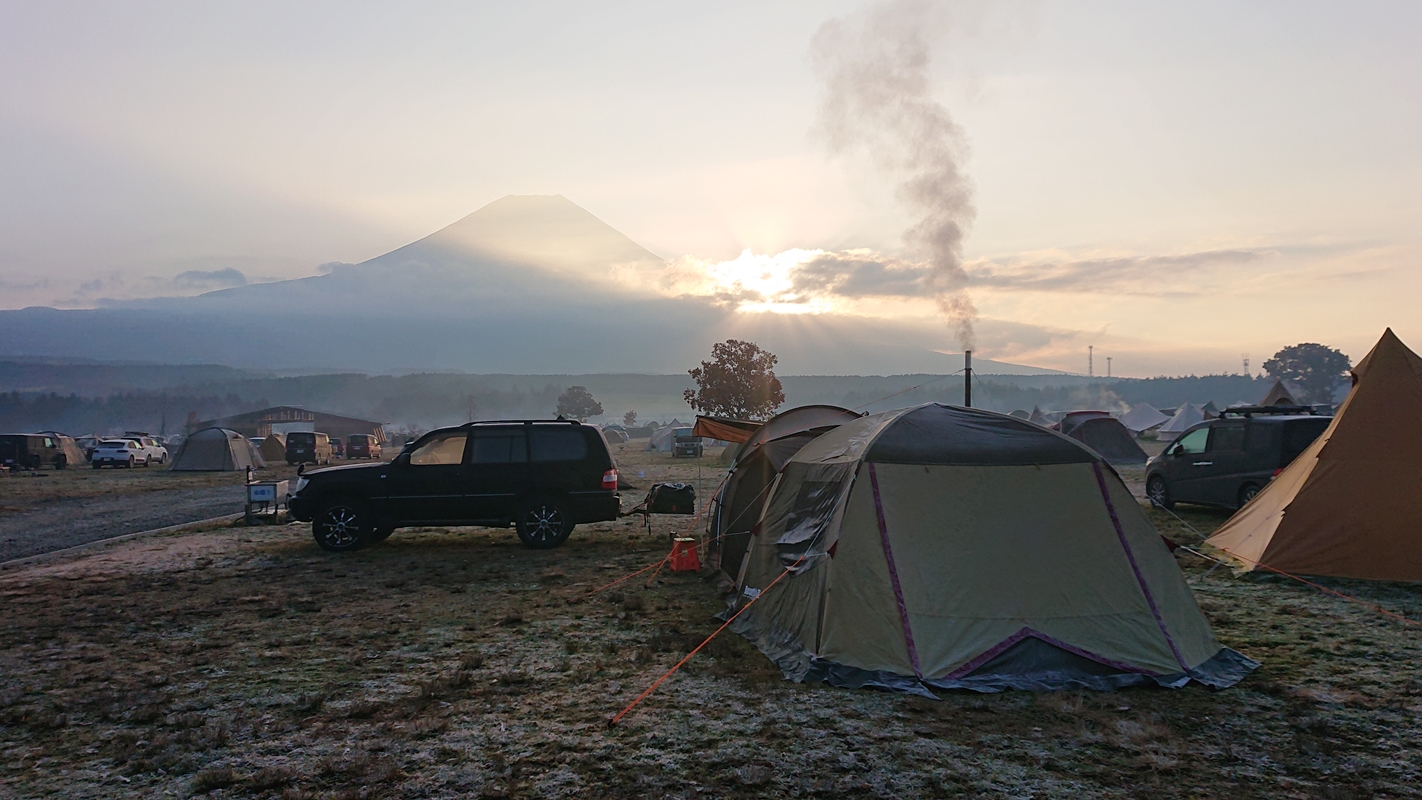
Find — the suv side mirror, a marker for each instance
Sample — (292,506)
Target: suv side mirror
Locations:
(1177,451)
(402,460)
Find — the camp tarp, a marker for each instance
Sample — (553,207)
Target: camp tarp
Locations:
(273,448)
(1110,439)
(1142,417)
(1279,395)
(1349,505)
(724,428)
(940,547)
(216,450)
(739,501)
(1189,414)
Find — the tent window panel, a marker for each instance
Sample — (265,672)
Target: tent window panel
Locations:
(1193,442)
(1227,438)
(814,505)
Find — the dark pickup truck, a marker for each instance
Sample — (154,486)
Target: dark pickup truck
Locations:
(542,477)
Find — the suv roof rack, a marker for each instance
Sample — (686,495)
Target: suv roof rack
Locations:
(1249,411)
(519,422)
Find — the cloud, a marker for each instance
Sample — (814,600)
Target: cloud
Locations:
(1145,275)
(210,279)
(856,275)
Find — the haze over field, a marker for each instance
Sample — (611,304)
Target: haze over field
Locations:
(860,188)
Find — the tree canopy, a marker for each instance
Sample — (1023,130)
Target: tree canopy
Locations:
(1314,368)
(630,419)
(576,402)
(738,382)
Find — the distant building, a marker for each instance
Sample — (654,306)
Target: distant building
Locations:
(285,419)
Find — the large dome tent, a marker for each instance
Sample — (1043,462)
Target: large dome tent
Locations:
(216,450)
(940,547)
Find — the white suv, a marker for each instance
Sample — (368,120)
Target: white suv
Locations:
(150,452)
(118,453)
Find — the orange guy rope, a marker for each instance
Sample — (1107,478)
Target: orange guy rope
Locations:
(704,642)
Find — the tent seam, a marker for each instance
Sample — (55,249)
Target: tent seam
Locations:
(1135,567)
(894,572)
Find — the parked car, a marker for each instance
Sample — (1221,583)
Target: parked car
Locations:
(338,447)
(685,444)
(31,451)
(543,477)
(152,452)
(306,447)
(363,445)
(1226,461)
(118,453)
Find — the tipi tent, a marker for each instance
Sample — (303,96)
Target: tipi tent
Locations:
(1142,417)
(944,547)
(664,439)
(216,450)
(1350,504)
(1039,418)
(1279,395)
(738,504)
(1189,414)
(273,448)
(1210,410)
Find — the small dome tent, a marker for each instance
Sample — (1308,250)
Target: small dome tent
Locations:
(216,450)
(954,548)
(273,448)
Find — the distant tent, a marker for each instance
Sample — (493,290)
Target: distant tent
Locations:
(940,547)
(273,448)
(1279,395)
(1109,438)
(1189,414)
(664,439)
(1142,417)
(216,450)
(615,435)
(1020,414)
(761,456)
(1210,410)
(73,456)
(1039,418)
(1349,505)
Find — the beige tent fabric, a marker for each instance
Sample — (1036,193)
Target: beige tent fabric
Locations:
(1278,395)
(1350,504)
(273,448)
(216,450)
(949,565)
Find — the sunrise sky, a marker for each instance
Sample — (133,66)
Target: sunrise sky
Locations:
(1175,184)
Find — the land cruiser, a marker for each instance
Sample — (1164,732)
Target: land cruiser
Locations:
(542,477)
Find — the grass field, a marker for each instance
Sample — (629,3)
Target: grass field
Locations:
(245,662)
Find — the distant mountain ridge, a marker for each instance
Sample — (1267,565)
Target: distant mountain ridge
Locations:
(519,286)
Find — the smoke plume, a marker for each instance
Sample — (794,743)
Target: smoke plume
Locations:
(874,68)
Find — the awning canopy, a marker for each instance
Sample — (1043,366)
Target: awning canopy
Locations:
(724,428)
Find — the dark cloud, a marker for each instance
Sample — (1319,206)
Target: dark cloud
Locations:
(210,279)
(854,276)
(1148,275)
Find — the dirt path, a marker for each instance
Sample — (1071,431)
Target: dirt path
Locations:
(67,522)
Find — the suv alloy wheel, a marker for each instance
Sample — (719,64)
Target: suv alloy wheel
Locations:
(339,526)
(543,524)
(1159,492)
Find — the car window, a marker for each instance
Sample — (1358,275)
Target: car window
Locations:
(1193,442)
(441,448)
(498,446)
(1227,438)
(557,444)
(1298,435)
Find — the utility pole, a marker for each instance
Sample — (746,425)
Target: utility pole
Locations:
(1089,358)
(1245,356)
(1108,366)
(968,379)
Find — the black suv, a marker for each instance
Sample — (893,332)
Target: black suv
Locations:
(542,477)
(1226,461)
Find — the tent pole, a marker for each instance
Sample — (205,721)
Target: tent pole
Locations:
(968,378)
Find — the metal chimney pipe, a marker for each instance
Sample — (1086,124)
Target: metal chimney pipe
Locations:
(968,378)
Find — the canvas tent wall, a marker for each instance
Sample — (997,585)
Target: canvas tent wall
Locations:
(1187,415)
(765,451)
(1109,438)
(273,448)
(216,450)
(945,547)
(73,456)
(1350,504)
(664,439)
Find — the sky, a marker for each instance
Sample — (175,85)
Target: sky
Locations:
(1175,185)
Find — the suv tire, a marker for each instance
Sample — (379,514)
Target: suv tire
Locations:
(341,525)
(130,463)
(1247,492)
(1159,492)
(543,523)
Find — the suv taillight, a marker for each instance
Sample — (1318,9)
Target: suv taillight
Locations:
(609,480)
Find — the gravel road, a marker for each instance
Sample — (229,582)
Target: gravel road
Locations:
(57,524)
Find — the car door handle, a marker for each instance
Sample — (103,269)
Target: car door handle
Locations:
(1204,463)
